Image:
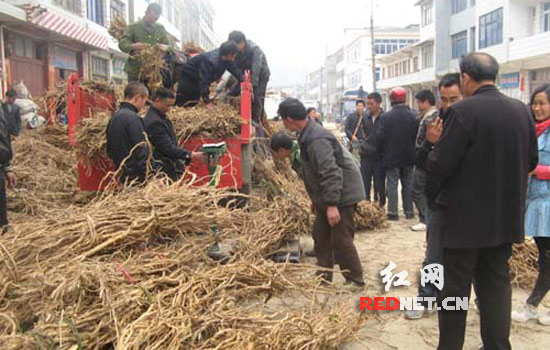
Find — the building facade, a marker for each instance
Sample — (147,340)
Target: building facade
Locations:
(197,24)
(44,41)
(350,67)
(515,32)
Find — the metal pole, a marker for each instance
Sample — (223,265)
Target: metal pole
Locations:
(373,46)
(4,76)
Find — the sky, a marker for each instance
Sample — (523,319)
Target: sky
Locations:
(295,35)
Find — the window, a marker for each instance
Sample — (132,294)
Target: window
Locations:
(28,48)
(387,46)
(460,44)
(472,39)
(117,9)
(177,21)
(95,11)
(100,66)
(458,6)
(169,12)
(428,56)
(546,16)
(427,13)
(490,29)
(118,66)
(69,5)
(415,64)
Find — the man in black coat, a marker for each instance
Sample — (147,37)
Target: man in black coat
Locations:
(12,112)
(396,139)
(371,160)
(252,58)
(168,156)
(125,132)
(202,70)
(487,148)
(354,125)
(6,155)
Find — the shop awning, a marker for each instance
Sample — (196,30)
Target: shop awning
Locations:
(68,28)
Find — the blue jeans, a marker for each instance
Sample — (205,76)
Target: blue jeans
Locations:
(394,175)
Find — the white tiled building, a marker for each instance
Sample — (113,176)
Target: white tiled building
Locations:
(350,67)
(516,32)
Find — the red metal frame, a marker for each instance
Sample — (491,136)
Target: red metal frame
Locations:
(80,103)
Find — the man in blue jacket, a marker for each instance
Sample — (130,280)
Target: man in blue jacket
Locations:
(168,157)
(202,70)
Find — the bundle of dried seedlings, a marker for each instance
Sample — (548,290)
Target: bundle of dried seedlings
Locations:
(117,27)
(220,122)
(191,48)
(91,139)
(46,175)
(56,135)
(524,264)
(151,59)
(369,216)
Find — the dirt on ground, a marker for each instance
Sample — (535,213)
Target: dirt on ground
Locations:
(389,329)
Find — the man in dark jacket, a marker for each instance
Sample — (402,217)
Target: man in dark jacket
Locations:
(371,161)
(125,132)
(12,113)
(425,101)
(354,125)
(168,157)
(396,137)
(333,182)
(252,58)
(6,155)
(201,71)
(449,94)
(487,148)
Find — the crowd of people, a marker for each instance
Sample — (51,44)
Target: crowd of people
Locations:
(477,170)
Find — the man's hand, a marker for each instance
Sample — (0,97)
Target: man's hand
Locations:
(198,157)
(12,180)
(209,106)
(163,47)
(354,138)
(333,216)
(312,208)
(138,46)
(533,173)
(434,130)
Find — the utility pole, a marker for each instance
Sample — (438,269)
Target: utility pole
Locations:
(373,46)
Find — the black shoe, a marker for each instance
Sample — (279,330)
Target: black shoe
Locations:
(392,217)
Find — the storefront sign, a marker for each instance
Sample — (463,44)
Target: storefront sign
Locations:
(511,80)
(65,58)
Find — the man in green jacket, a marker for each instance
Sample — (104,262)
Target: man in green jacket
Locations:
(334,184)
(284,146)
(140,34)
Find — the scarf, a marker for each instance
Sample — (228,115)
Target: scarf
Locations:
(542,126)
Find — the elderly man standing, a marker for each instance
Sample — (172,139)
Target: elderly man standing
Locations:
(140,34)
(333,182)
(483,158)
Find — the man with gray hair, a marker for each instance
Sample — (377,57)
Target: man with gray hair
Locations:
(487,148)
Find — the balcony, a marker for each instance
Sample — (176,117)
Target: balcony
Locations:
(533,51)
(423,76)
